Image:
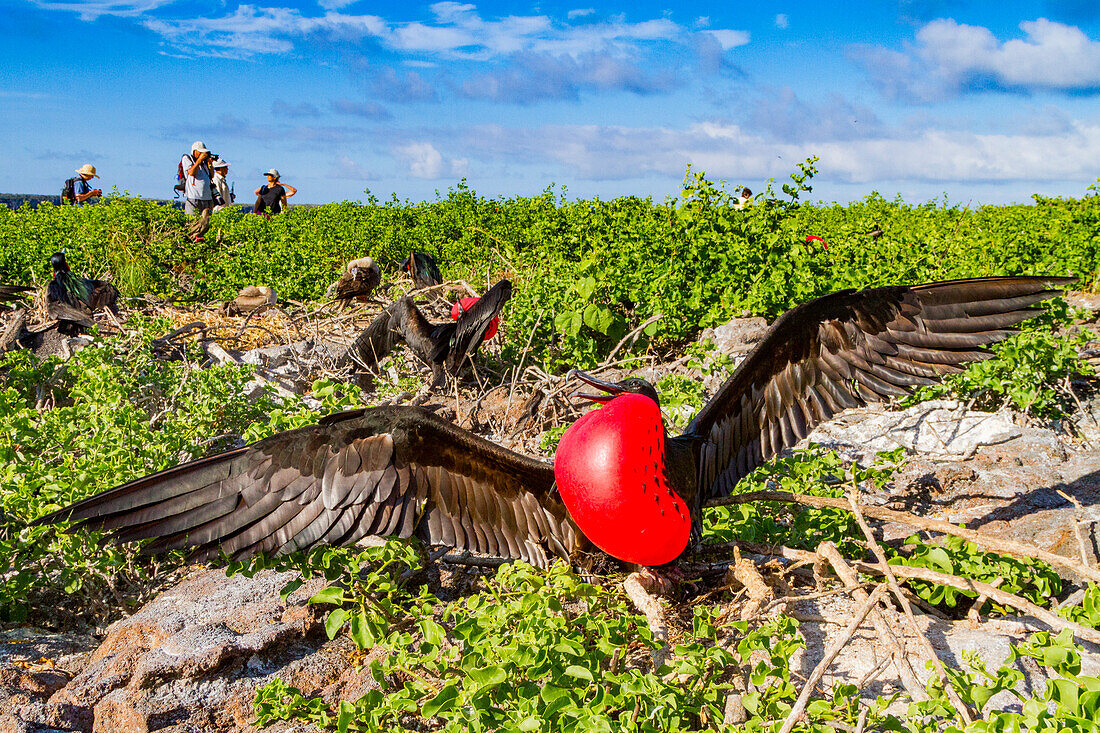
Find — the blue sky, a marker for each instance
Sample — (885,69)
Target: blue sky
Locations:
(984,102)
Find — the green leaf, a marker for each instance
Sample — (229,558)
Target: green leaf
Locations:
(335,621)
(442,702)
(488,677)
(361,632)
(332,594)
(581,673)
(569,323)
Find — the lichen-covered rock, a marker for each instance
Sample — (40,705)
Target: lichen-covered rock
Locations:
(191,660)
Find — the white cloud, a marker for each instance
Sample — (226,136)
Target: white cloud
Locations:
(731,39)
(93,9)
(948,57)
(728,151)
(453,30)
(346,168)
(251,30)
(425,161)
(782,21)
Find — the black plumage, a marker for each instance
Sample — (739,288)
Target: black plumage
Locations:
(71,299)
(422,269)
(403,471)
(443,346)
(13,293)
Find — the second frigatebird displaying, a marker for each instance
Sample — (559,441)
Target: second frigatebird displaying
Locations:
(623,484)
(442,346)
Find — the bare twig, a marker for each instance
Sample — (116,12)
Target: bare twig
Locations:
(1004,598)
(834,649)
(1009,547)
(652,319)
(961,707)
(844,571)
(654,613)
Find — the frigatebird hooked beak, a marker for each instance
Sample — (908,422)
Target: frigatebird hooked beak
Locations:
(622,481)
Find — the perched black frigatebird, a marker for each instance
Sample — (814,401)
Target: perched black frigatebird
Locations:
(623,483)
(442,346)
(72,299)
(359,280)
(422,269)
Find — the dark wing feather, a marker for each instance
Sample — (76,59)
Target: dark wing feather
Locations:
(848,349)
(360,281)
(396,471)
(13,293)
(373,343)
(469,330)
(427,272)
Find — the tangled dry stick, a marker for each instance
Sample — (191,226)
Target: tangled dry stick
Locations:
(1008,547)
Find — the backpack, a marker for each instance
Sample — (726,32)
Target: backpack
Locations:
(68,191)
(179,187)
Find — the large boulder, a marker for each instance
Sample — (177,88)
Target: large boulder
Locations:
(191,660)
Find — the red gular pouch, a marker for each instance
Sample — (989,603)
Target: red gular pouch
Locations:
(610,472)
(466,304)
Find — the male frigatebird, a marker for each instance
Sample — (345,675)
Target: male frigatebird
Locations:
(442,346)
(622,482)
(422,269)
(72,299)
(359,280)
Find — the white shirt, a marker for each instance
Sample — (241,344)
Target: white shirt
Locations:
(196,187)
(223,188)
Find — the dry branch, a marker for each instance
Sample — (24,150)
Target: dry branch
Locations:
(963,709)
(831,654)
(1008,547)
(1003,597)
(828,552)
(654,614)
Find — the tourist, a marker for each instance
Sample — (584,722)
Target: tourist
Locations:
(198,189)
(271,197)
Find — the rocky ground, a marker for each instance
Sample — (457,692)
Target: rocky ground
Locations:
(191,659)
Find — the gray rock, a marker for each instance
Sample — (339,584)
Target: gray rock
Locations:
(938,428)
(738,336)
(191,660)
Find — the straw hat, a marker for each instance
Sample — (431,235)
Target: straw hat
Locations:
(87,169)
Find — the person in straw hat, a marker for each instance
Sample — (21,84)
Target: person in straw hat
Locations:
(82,190)
(223,195)
(198,188)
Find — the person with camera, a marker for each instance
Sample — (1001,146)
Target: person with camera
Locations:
(198,188)
(223,195)
(81,189)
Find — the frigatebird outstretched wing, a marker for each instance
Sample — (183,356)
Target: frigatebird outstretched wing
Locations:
(386,471)
(848,349)
(465,336)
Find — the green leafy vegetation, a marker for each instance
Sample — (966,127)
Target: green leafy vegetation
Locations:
(112,413)
(587,271)
(1030,579)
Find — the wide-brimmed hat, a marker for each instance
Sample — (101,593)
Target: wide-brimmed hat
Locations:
(87,168)
(273,172)
(199,146)
(219,163)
